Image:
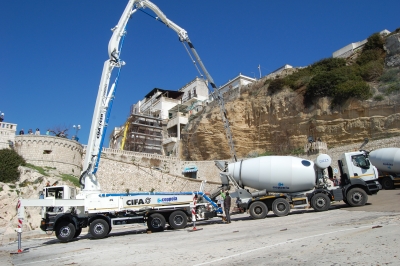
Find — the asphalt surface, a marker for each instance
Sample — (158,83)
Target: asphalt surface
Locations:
(368,235)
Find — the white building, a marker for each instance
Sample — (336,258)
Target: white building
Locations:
(236,83)
(195,95)
(351,48)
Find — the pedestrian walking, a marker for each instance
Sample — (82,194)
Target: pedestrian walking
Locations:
(227,206)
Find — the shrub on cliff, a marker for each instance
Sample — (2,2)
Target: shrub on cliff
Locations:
(375,41)
(275,85)
(357,89)
(9,162)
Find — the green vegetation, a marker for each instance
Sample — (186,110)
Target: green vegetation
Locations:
(339,79)
(73,179)
(378,98)
(10,160)
(41,170)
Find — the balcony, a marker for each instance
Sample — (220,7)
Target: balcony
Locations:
(178,119)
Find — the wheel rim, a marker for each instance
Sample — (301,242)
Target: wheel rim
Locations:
(357,197)
(156,223)
(98,229)
(387,183)
(65,231)
(320,202)
(281,207)
(178,220)
(258,210)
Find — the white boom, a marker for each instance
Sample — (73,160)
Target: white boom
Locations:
(105,94)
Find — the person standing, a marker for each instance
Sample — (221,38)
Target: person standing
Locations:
(21,132)
(222,195)
(48,132)
(227,206)
(37,132)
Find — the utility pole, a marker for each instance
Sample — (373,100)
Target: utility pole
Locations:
(259,69)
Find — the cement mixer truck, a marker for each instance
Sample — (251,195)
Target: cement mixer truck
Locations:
(387,161)
(284,182)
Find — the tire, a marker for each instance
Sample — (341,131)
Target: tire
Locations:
(258,210)
(320,202)
(99,228)
(77,232)
(178,220)
(156,222)
(65,231)
(357,197)
(387,183)
(280,207)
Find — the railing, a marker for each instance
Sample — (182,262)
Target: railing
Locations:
(134,153)
(318,145)
(187,98)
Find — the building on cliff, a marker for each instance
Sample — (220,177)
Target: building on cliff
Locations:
(351,48)
(155,123)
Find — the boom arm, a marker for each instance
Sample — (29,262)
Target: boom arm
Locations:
(105,94)
(183,37)
(102,108)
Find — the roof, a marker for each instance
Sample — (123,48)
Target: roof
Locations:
(165,93)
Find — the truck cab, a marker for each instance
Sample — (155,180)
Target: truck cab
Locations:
(356,171)
(57,192)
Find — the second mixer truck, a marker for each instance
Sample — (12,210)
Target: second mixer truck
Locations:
(283,182)
(387,161)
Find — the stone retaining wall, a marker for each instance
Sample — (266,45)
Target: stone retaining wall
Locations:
(117,176)
(63,154)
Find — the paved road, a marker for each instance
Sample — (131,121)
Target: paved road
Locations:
(368,235)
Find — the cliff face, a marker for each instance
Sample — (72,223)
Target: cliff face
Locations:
(281,123)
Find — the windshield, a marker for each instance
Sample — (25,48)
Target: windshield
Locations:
(360,161)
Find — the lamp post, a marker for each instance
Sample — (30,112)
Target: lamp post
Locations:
(76,131)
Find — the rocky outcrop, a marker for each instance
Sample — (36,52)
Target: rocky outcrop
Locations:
(280,122)
(392,47)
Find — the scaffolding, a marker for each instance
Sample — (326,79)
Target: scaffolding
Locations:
(143,134)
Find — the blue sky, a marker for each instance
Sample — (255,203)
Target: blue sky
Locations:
(53,51)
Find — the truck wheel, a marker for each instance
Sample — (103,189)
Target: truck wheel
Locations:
(99,228)
(156,222)
(387,183)
(357,197)
(77,232)
(178,220)
(280,207)
(65,231)
(258,210)
(320,202)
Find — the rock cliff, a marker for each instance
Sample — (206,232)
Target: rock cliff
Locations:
(281,123)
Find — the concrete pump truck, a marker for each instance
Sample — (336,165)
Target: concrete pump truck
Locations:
(66,212)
